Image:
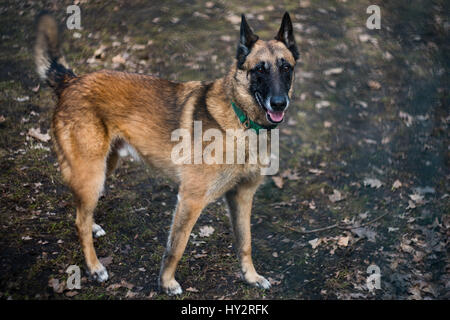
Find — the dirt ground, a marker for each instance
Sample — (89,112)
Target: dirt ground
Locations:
(364,154)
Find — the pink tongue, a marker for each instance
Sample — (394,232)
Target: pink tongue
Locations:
(276,116)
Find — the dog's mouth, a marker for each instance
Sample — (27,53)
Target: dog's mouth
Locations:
(274,117)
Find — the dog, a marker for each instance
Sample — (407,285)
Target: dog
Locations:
(100,114)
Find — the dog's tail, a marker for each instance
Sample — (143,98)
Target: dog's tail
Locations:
(50,63)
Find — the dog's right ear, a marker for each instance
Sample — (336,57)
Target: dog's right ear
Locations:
(246,41)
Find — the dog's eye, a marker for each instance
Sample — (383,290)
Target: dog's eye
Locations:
(286,68)
(260,69)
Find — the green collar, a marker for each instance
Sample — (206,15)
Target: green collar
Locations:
(247,122)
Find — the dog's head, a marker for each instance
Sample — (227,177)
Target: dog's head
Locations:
(265,72)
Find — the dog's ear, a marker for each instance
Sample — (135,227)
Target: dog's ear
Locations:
(246,41)
(286,35)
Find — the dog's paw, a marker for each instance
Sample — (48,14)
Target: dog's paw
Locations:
(100,274)
(97,231)
(257,281)
(172,288)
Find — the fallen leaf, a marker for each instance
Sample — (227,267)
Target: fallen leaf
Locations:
(373,183)
(106,261)
(322,104)
(278,181)
(343,241)
(315,242)
(130,294)
(336,196)
(397,184)
(411,205)
(333,71)
(417,198)
(206,231)
(327,124)
(290,175)
(315,171)
(100,52)
(273,281)
(406,248)
(118,59)
(375,85)
(36,133)
(191,289)
(138,47)
(234,19)
(23,98)
(407,118)
(71,293)
(362,232)
(58,287)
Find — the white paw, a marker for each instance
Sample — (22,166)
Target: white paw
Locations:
(172,288)
(97,231)
(100,275)
(257,281)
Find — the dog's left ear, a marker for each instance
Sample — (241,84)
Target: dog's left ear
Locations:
(286,35)
(246,41)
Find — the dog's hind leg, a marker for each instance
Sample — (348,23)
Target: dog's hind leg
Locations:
(82,155)
(188,210)
(111,164)
(239,201)
(87,189)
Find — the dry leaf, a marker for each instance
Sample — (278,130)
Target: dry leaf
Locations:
(333,71)
(56,285)
(278,181)
(315,242)
(375,85)
(417,198)
(315,171)
(373,183)
(36,133)
(191,289)
(336,196)
(397,184)
(290,175)
(407,118)
(322,104)
(106,261)
(206,231)
(343,241)
(118,59)
(71,293)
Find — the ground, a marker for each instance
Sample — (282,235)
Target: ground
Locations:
(364,155)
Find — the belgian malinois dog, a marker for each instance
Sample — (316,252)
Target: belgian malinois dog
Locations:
(101,113)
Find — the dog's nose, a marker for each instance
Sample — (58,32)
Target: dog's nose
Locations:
(278,103)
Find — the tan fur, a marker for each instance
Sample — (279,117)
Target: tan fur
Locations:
(99,112)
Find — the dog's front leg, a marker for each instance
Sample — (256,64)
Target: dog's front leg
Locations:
(240,201)
(186,214)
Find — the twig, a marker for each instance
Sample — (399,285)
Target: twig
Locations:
(336,225)
(364,224)
(314,230)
